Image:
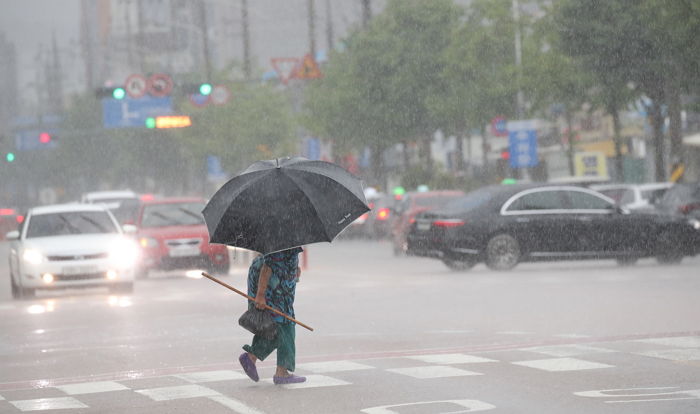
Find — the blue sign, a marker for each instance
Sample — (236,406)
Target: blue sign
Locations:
(128,112)
(30,139)
(214,170)
(522,140)
(313,148)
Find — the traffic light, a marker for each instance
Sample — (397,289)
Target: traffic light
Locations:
(198,88)
(10,157)
(110,92)
(45,138)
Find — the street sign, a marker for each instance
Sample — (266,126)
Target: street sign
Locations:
(160,85)
(499,127)
(33,139)
(214,170)
(308,69)
(220,95)
(522,140)
(131,112)
(590,164)
(285,68)
(136,85)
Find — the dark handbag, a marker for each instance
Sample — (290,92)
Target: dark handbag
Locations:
(259,322)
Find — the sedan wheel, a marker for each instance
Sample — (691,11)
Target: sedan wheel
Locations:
(458,265)
(502,252)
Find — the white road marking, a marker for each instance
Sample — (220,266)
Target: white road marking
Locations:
(178,392)
(677,341)
(562,364)
(633,394)
(62,403)
(211,376)
(333,366)
(447,359)
(567,350)
(2,398)
(92,387)
(572,336)
(514,333)
(434,371)
(687,354)
(315,381)
(471,405)
(234,404)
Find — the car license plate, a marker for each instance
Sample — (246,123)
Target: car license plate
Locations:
(78,270)
(423,225)
(184,251)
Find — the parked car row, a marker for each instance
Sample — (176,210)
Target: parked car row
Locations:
(505,225)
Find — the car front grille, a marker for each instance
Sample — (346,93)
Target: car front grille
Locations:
(183,242)
(86,276)
(77,257)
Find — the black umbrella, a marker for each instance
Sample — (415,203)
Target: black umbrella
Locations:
(279,204)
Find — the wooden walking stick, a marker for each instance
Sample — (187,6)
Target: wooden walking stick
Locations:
(284,315)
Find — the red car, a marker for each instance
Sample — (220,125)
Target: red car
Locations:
(410,205)
(172,235)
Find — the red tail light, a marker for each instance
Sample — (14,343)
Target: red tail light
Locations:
(6,211)
(383,214)
(687,208)
(147,197)
(448,223)
(412,220)
(20,219)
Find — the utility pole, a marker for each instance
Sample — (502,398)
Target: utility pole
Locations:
(205,39)
(519,109)
(55,79)
(312,29)
(141,43)
(129,37)
(86,39)
(329,26)
(366,12)
(246,40)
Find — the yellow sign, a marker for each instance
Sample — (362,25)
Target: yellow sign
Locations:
(175,121)
(590,164)
(308,69)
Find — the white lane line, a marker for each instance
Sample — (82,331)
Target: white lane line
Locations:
(178,392)
(572,336)
(92,387)
(234,404)
(315,381)
(447,359)
(514,333)
(687,354)
(567,350)
(333,366)
(677,341)
(434,371)
(471,405)
(62,403)
(562,364)
(211,376)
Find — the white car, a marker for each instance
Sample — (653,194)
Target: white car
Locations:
(634,196)
(69,246)
(112,199)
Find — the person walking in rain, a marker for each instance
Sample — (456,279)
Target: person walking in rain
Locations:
(272,280)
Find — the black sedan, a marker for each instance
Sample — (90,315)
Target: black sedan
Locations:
(505,225)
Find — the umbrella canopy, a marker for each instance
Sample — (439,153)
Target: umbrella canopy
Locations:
(278,204)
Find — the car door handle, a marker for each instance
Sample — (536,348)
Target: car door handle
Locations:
(522,220)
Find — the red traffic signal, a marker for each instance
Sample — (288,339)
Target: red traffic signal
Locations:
(44,137)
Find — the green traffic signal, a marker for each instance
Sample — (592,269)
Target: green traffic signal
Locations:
(205,89)
(150,122)
(118,93)
(10,157)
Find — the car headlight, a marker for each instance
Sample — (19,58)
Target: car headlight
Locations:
(148,242)
(124,253)
(694,223)
(33,256)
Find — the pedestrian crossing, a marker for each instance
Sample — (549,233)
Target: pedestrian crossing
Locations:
(227,387)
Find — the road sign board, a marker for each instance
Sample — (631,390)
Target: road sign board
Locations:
(308,69)
(131,112)
(32,139)
(160,85)
(522,140)
(220,95)
(590,164)
(136,85)
(499,127)
(285,68)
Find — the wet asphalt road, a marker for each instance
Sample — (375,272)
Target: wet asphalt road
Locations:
(392,335)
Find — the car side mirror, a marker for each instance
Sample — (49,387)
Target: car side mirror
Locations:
(13,235)
(129,229)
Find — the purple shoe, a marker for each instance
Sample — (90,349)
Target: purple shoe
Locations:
(289,379)
(248,367)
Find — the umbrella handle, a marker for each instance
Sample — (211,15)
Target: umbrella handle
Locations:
(284,315)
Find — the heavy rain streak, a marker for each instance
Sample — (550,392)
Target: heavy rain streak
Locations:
(350,206)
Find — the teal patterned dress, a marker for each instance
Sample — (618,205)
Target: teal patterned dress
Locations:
(283,281)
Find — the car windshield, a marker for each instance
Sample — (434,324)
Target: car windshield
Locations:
(172,214)
(70,223)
